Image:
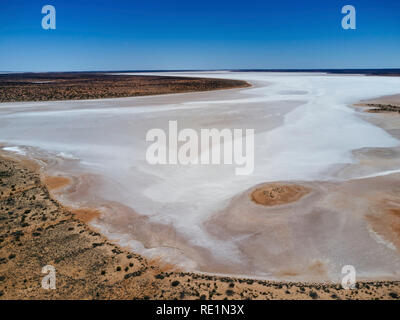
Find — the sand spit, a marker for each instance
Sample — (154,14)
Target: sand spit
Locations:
(35,230)
(382,104)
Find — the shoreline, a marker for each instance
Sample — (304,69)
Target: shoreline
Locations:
(20,267)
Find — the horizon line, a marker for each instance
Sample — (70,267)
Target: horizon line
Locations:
(224,69)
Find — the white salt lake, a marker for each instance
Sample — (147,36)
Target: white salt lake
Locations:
(304,131)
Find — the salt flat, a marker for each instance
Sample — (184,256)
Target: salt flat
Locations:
(305,132)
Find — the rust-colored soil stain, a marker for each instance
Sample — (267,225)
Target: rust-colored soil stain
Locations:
(386,221)
(85,215)
(54,182)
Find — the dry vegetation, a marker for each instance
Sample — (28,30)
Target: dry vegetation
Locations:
(378,107)
(382,104)
(75,86)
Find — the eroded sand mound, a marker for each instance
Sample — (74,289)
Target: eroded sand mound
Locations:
(275,194)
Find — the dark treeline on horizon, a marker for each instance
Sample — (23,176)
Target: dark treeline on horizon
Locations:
(386,71)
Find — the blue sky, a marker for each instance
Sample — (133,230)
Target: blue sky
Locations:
(191,34)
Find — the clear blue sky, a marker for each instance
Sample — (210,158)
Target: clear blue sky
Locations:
(198,34)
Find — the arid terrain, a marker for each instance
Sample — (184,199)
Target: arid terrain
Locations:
(72,86)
